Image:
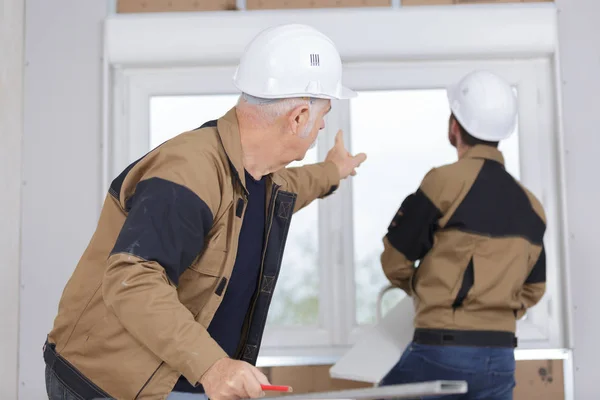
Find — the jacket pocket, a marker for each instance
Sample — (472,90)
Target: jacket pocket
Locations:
(467,283)
(105,346)
(211,262)
(199,283)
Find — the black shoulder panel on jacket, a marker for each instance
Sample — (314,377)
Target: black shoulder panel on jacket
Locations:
(117,183)
(497,206)
(209,124)
(413,227)
(167,223)
(538,273)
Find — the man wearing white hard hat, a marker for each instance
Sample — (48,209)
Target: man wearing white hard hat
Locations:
(477,235)
(174,288)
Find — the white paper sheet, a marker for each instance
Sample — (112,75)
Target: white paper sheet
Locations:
(380,348)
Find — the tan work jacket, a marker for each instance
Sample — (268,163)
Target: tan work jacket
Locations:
(478,236)
(134,315)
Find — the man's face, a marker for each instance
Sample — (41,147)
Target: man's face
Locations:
(315,124)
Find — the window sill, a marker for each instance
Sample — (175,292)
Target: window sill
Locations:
(271,357)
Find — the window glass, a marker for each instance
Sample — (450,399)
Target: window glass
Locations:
(296,297)
(172,115)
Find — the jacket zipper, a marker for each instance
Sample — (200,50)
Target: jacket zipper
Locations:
(250,314)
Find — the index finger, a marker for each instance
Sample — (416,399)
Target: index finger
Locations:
(262,378)
(339,138)
(252,385)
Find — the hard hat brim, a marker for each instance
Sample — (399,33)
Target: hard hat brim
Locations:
(347,93)
(344,93)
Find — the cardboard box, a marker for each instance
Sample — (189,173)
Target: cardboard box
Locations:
(309,379)
(141,6)
(447,2)
(536,380)
(297,4)
(540,380)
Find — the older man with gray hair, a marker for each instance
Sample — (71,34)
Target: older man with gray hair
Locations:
(172,293)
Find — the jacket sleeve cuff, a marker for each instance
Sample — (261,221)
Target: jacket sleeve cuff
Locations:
(332,176)
(207,354)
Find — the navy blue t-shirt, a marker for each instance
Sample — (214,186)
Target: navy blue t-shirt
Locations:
(226,326)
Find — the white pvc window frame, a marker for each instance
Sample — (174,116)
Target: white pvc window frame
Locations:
(429,47)
(533,79)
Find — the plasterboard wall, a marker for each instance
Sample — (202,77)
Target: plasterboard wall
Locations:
(578,33)
(61,164)
(11,134)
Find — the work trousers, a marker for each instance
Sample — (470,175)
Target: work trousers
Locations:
(57,390)
(488,371)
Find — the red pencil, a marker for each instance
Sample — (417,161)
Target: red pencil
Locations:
(273,388)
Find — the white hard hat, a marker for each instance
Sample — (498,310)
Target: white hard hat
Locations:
(485,105)
(291,61)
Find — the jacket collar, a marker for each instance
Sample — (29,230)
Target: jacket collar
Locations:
(485,152)
(229,132)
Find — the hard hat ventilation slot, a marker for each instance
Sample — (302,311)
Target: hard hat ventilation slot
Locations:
(314,60)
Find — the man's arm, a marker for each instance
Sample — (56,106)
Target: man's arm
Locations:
(311,182)
(315,181)
(410,234)
(409,238)
(170,210)
(535,285)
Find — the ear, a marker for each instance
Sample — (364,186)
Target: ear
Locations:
(453,132)
(454,128)
(298,118)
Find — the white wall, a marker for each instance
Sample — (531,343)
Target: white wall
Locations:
(11,130)
(579,34)
(61,156)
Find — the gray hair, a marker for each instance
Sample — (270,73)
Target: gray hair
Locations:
(270,109)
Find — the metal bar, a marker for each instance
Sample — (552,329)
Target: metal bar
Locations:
(387,392)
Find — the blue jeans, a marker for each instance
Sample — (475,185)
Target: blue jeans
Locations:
(488,371)
(56,390)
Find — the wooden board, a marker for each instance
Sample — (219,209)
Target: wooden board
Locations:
(447,2)
(141,6)
(291,4)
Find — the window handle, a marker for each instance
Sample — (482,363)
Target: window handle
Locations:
(379,305)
